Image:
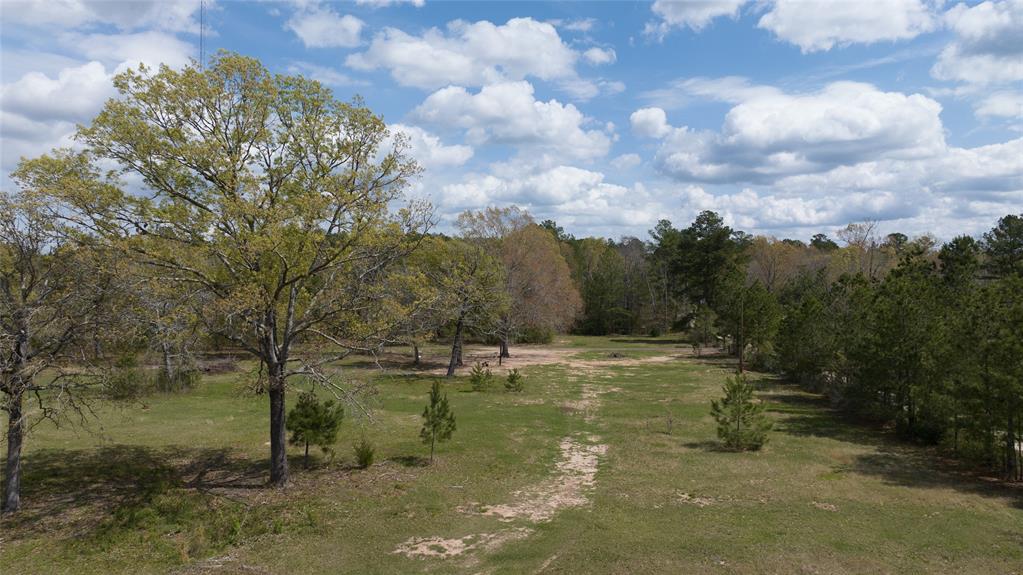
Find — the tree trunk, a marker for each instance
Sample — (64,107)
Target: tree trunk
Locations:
(278,448)
(504,347)
(416,356)
(305,460)
(456,350)
(168,366)
(1010,449)
(15,437)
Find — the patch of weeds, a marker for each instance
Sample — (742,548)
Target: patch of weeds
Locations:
(179,525)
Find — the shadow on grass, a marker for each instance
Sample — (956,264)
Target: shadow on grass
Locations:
(709,446)
(649,341)
(411,461)
(76,490)
(893,461)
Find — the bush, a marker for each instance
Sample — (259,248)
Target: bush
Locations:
(364,452)
(742,424)
(180,380)
(539,335)
(126,381)
(514,381)
(480,377)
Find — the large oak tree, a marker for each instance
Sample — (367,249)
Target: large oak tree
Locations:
(273,199)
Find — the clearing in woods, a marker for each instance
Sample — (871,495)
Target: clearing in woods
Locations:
(577,474)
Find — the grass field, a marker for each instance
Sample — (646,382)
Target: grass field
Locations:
(577,474)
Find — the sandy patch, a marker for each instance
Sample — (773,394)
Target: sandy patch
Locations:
(589,402)
(697,500)
(524,356)
(422,547)
(575,474)
(825,506)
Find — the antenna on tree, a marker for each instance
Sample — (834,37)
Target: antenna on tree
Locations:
(202,33)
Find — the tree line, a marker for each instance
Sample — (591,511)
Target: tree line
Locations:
(926,338)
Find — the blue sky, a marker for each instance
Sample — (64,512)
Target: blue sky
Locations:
(789,117)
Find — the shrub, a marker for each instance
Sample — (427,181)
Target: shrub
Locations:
(514,381)
(364,452)
(480,377)
(180,380)
(312,422)
(540,335)
(742,424)
(126,381)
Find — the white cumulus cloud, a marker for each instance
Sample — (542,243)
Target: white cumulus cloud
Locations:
(321,27)
(773,134)
(428,149)
(816,26)
(473,54)
(508,114)
(693,15)
(650,123)
(988,44)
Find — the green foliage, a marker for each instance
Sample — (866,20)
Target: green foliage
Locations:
(742,424)
(823,243)
(934,350)
(438,420)
(708,255)
(480,377)
(535,335)
(514,382)
(364,452)
(1003,246)
(312,422)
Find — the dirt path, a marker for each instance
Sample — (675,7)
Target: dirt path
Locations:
(574,477)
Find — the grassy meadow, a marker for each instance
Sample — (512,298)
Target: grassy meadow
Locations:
(608,462)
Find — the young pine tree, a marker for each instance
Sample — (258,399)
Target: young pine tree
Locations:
(742,424)
(514,381)
(438,420)
(480,377)
(315,423)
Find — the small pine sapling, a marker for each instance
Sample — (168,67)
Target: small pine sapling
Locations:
(312,422)
(514,381)
(480,377)
(742,424)
(438,420)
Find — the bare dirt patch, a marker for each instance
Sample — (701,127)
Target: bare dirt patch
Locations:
(589,402)
(697,500)
(825,506)
(524,356)
(575,474)
(438,547)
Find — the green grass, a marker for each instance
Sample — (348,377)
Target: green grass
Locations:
(168,487)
